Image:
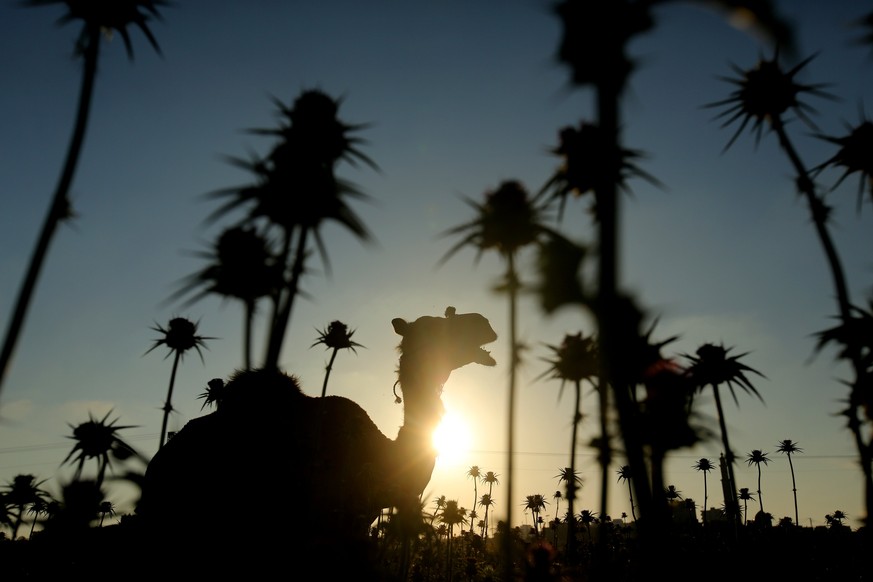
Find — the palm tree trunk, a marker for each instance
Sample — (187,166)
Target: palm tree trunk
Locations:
(168,406)
(60,205)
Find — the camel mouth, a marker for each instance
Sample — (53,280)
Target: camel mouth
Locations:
(484,358)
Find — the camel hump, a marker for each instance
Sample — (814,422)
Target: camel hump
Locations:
(259,388)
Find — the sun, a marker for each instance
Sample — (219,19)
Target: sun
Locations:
(452,437)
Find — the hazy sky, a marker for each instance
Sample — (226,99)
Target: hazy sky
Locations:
(459,97)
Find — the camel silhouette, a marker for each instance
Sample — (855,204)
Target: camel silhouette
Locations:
(312,473)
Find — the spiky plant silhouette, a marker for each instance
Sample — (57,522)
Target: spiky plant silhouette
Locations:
(570,476)
(535,503)
(770,95)
(625,474)
(788,447)
(22,494)
(106,508)
(296,191)
(491,479)
(180,336)
(337,336)
(475,474)
(98,20)
(214,393)
(98,440)
(758,457)
(713,366)
(508,221)
(242,267)
(575,360)
(594,48)
(705,466)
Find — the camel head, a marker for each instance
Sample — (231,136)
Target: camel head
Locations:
(438,345)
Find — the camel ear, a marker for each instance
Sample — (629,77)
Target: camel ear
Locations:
(400,325)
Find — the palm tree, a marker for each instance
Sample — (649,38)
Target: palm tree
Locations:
(336,337)
(624,474)
(97,439)
(97,19)
(757,457)
(788,448)
(179,336)
(475,474)
(712,366)
(296,191)
(745,497)
(22,492)
(242,266)
(705,466)
(507,222)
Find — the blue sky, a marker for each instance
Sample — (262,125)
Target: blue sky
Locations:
(460,96)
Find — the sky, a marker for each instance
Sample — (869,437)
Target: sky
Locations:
(458,97)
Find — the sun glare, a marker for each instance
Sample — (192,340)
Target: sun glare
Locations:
(452,437)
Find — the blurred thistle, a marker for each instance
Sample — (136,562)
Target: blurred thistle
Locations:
(853,156)
(96,439)
(98,18)
(764,95)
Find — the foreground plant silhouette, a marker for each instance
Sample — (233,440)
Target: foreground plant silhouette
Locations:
(179,336)
(507,222)
(336,337)
(768,95)
(295,192)
(243,267)
(98,440)
(98,19)
(22,494)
